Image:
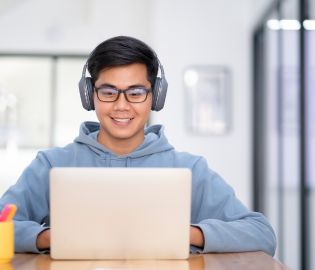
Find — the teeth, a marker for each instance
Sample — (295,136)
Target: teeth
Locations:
(123,120)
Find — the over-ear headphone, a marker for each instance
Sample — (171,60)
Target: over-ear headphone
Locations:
(159,90)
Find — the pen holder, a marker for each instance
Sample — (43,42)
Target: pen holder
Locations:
(6,241)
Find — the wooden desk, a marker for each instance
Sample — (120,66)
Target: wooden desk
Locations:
(234,261)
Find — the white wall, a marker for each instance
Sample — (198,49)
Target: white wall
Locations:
(203,32)
(70,26)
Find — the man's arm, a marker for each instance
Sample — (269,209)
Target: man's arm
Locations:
(227,225)
(30,195)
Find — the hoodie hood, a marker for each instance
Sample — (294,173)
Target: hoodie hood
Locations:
(154,141)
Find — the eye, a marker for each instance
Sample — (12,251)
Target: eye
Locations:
(136,92)
(108,92)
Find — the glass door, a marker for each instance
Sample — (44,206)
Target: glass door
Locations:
(310,139)
(284,128)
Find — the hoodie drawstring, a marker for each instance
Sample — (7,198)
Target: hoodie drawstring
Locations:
(107,161)
(128,162)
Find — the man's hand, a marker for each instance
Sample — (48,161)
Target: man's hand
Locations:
(43,240)
(196,237)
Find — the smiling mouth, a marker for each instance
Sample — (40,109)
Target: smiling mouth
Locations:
(122,120)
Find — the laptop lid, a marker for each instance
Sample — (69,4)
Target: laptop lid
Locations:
(120,213)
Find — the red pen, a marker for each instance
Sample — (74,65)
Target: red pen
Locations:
(7,212)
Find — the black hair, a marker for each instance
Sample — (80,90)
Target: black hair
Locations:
(122,50)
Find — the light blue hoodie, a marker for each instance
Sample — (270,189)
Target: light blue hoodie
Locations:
(227,225)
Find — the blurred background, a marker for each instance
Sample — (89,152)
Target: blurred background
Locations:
(241,92)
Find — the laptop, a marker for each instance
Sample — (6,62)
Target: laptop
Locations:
(120,213)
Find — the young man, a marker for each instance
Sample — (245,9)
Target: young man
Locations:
(123,88)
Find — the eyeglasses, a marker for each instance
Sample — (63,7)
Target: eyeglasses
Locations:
(132,95)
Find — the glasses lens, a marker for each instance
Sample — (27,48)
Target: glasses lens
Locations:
(107,94)
(136,94)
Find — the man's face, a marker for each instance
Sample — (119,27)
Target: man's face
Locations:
(122,121)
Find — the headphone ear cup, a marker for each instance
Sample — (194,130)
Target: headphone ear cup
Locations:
(159,93)
(86,93)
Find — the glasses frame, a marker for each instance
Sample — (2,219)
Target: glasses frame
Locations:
(147,90)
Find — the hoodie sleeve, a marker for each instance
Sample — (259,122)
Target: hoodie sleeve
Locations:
(30,194)
(227,225)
